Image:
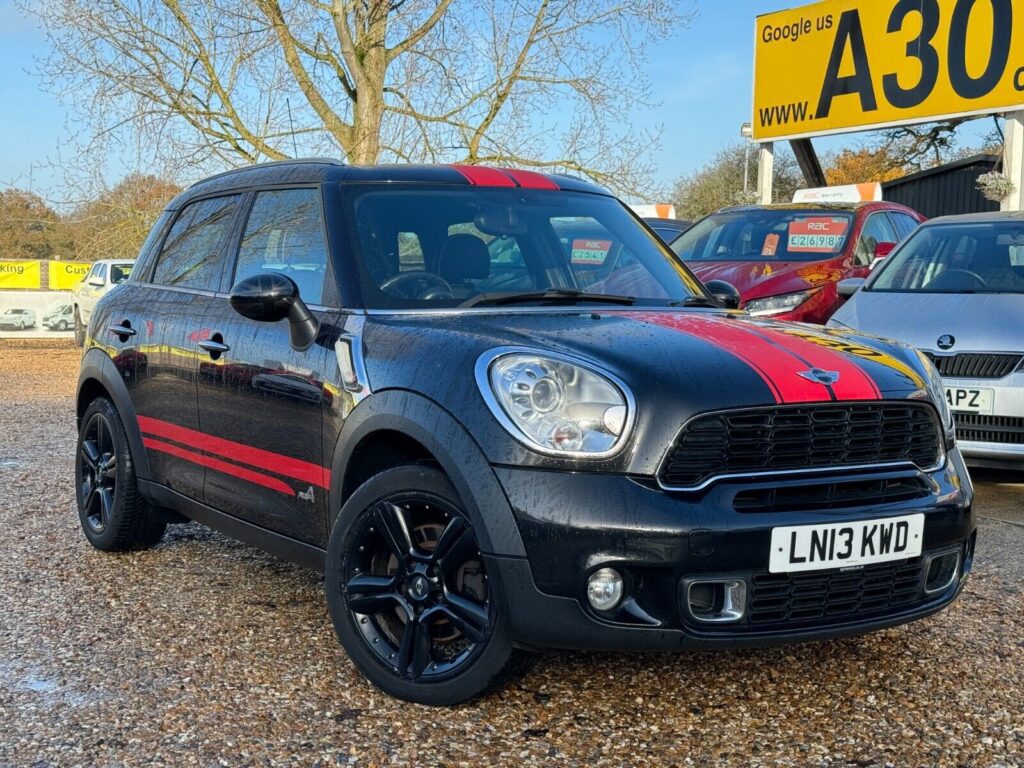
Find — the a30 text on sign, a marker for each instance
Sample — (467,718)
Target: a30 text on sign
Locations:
(845,65)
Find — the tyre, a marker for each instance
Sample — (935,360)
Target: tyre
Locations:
(409,596)
(114,516)
(62,325)
(79,330)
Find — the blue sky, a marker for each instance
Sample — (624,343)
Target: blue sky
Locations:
(701,79)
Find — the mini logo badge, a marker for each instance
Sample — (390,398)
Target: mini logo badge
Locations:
(819,376)
(306,495)
(946,341)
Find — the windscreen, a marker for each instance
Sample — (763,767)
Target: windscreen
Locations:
(447,246)
(956,258)
(766,234)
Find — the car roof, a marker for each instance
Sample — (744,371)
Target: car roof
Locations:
(322,170)
(978,218)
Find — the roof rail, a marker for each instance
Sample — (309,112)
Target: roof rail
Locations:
(269,163)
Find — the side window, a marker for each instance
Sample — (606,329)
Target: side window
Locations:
(904,224)
(191,256)
(876,230)
(285,234)
(101,272)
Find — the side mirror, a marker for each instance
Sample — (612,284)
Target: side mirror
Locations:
(881,251)
(270,297)
(96,282)
(725,293)
(850,286)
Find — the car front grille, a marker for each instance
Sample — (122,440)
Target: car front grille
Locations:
(821,497)
(793,438)
(819,597)
(980,428)
(976,366)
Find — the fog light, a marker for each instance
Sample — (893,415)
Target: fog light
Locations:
(604,589)
(717,601)
(942,572)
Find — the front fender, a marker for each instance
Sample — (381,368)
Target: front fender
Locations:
(450,444)
(98,367)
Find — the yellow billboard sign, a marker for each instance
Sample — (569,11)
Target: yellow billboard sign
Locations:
(844,65)
(20,274)
(64,275)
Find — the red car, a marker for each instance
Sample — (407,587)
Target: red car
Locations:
(786,260)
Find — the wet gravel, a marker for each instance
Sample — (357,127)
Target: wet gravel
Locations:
(204,652)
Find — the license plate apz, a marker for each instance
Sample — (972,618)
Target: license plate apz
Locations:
(844,545)
(970,400)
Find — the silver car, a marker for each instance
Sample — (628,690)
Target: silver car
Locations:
(955,290)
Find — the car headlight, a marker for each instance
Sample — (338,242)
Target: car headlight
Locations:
(556,404)
(937,392)
(776,305)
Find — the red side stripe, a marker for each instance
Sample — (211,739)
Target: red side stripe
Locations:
(532,180)
(216,464)
(305,471)
(777,368)
(482,176)
(854,383)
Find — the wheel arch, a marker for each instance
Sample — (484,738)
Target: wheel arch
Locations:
(421,430)
(98,377)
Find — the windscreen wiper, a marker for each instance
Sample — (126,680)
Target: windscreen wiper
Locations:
(557,295)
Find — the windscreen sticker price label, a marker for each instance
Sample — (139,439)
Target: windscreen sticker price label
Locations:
(590,252)
(817,235)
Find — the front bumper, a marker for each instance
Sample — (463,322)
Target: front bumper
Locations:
(574,523)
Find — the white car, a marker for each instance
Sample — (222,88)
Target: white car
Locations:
(59,317)
(104,276)
(18,319)
(955,290)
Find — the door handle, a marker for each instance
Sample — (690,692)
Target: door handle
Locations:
(215,346)
(122,331)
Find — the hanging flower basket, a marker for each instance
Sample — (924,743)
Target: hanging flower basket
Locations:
(996,186)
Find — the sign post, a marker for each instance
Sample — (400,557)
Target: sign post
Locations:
(1013,158)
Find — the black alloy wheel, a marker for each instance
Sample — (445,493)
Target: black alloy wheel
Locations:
(97,457)
(410,596)
(416,588)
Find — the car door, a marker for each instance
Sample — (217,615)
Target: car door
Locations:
(166,308)
(92,289)
(261,401)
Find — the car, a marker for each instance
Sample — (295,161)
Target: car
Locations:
(104,276)
(955,289)
(18,318)
(605,459)
(59,317)
(786,260)
(668,230)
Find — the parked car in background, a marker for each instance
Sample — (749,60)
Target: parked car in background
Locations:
(104,276)
(59,317)
(18,319)
(955,289)
(668,230)
(786,260)
(594,455)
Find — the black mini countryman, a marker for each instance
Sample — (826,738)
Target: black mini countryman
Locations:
(500,417)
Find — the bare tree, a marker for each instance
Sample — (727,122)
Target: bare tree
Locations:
(549,84)
(925,146)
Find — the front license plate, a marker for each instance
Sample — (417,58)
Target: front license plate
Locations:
(966,399)
(844,545)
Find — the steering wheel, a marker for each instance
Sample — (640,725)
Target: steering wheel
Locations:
(954,279)
(418,284)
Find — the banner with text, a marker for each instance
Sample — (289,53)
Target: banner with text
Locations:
(845,65)
(65,274)
(20,274)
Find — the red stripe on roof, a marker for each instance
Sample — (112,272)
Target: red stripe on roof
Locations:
(217,465)
(280,464)
(532,180)
(482,176)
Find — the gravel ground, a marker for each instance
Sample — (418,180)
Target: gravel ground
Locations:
(207,652)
